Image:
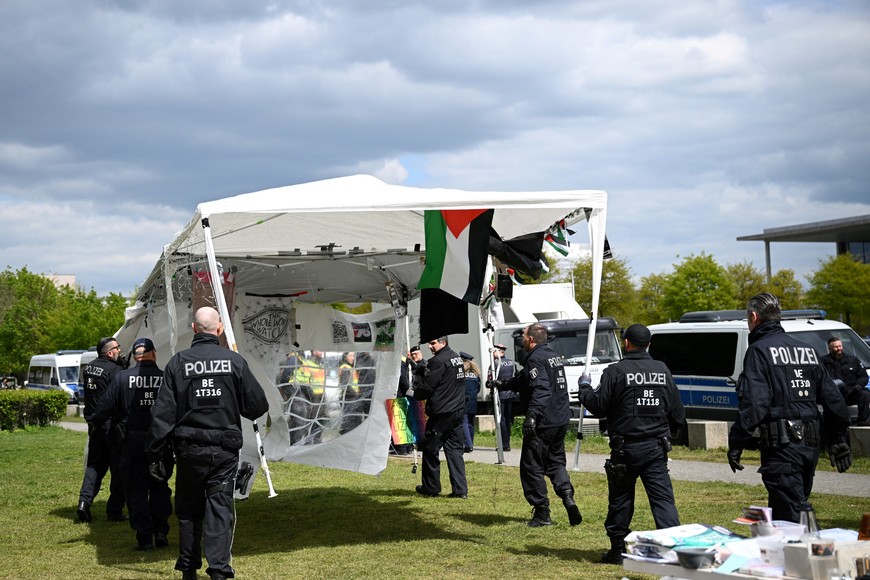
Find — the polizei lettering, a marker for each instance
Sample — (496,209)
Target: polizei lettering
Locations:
(207,367)
(147,382)
(793,355)
(646,378)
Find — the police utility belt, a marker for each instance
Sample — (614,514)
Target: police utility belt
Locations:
(784,431)
(229,439)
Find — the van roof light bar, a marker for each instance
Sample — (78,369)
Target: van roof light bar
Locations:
(729,315)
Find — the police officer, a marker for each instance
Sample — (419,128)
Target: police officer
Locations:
(206,390)
(102,454)
(778,393)
(506,397)
(850,376)
(443,389)
(542,383)
(128,401)
(642,405)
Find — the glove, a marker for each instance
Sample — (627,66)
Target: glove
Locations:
(734,454)
(157,471)
(494,384)
(529,426)
(841,456)
(585,381)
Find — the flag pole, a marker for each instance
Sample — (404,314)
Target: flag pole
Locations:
(217,287)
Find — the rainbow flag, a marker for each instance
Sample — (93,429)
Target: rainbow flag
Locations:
(407,420)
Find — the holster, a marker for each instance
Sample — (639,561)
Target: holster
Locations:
(666,444)
(614,471)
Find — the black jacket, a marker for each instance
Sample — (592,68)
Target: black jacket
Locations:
(443,389)
(96,378)
(848,369)
(638,396)
(131,395)
(206,388)
(543,384)
(782,379)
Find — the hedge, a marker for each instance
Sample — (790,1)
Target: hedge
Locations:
(21,408)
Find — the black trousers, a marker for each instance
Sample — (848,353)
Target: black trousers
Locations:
(204,506)
(648,461)
(543,455)
(507,421)
(103,456)
(787,473)
(444,431)
(148,501)
(860,397)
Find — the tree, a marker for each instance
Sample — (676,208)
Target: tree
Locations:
(747,280)
(650,303)
(698,283)
(617,298)
(786,287)
(841,286)
(37,317)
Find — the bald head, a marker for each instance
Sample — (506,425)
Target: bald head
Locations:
(207,320)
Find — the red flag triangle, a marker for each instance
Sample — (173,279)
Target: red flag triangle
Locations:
(458,219)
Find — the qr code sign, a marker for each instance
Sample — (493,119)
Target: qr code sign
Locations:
(339,332)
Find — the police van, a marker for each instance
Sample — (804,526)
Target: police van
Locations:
(55,371)
(704,352)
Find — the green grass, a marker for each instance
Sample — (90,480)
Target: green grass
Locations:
(334,524)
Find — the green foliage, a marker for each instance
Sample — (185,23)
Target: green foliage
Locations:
(747,281)
(651,299)
(698,283)
(18,409)
(37,317)
(787,288)
(841,286)
(617,298)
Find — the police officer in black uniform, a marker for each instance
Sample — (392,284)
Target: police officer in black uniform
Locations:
(103,454)
(206,390)
(850,376)
(443,389)
(642,405)
(778,393)
(128,401)
(506,397)
(542,383)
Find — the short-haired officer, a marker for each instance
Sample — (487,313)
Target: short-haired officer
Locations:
(443,389)
(102,455)
(642,405)
(506,397)
(779,393)
(543,384)
(128,401)
(206,391)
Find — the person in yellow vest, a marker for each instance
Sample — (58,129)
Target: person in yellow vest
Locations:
(348,378)
(311,372)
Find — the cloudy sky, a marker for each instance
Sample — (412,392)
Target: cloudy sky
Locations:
(703,120)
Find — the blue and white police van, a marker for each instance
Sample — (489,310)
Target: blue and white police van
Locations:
(704,352)
(56,371)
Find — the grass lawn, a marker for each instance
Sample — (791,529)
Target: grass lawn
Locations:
(334,524)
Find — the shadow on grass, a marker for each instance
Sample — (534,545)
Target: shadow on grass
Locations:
(294,520)
(565,554)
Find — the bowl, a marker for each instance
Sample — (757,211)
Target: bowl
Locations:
(694,558)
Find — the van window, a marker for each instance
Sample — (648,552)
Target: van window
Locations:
(69,374)
(39,375)
(571,344)
(706,354)
(818,339)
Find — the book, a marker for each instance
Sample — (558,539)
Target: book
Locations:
(755,515)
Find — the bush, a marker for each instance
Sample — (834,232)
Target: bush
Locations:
(18,409)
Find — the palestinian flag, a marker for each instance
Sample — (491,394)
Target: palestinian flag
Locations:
(457,247)
(457,244)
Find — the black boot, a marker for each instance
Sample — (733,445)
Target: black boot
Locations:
(574,515)
(84,511)
(540,517)
(614,555)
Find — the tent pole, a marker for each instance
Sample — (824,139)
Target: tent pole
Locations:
(220,300)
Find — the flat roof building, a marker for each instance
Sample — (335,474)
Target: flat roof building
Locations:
(851,235)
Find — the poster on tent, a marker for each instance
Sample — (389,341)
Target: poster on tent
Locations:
(407,420)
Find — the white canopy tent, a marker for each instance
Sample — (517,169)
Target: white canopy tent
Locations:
(285,254)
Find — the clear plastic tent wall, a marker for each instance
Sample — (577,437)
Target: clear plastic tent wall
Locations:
(282,256)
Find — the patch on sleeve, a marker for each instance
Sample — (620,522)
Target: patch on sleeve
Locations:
(533,374)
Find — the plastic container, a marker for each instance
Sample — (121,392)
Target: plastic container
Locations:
(772,549)
(790,530)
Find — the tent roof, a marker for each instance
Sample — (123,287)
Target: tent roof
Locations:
(302,238)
